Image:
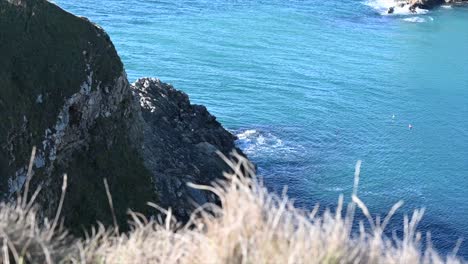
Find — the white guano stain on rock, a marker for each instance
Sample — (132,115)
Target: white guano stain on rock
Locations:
(39,99)
(70,132)
(86,86)
(17,2)
(16,183)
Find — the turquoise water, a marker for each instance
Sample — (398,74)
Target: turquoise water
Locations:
(310,87)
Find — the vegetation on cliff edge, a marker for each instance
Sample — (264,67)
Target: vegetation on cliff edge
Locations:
(253,226)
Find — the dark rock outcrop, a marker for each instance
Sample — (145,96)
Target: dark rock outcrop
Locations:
(180,143)
(424,4)
(434,3)
(63,89)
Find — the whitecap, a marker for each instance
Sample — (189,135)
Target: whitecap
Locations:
(246,134)
(415,19)
(446,6)
(334,189)
(255,142)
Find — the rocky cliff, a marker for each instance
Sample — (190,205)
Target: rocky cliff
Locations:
(424,4)
(63,89)
(432,3)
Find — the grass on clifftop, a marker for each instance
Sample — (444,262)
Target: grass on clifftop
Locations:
(253,226)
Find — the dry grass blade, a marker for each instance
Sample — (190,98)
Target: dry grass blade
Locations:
(252,226)
(28,177)
(59,209)
(111,204)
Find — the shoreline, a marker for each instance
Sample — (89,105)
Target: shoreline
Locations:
(415,5)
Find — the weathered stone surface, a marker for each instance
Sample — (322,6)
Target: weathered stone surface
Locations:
(63,89)
(180,143)
(424,4)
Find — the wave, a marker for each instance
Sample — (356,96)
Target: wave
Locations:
(262,143)
(415,19)
(252,141)
(334,189)
(382,6)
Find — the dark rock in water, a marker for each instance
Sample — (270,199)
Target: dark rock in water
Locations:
(413,4)
(63,89)
(428,4)
(391,10)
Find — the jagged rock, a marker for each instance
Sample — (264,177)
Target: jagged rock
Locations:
(63,89)
(180,142)
(427,4)
(423,4)
(413,4)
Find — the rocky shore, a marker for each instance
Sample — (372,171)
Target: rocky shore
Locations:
(412,5)
(63,89)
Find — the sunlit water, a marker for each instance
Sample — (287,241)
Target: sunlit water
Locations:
(311,86)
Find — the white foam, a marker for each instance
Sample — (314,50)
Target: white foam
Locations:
(446,6)
(253,141)
(246,134)
(382,6)
(415,19)
(334,189)
(260,143)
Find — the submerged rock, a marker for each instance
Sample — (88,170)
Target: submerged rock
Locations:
(64,89)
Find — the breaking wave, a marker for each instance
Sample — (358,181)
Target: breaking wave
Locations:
(417,19)
(259,143)
(382,6)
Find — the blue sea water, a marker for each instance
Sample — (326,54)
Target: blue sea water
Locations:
(310,87)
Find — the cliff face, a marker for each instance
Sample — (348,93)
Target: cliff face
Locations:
(180,142)
(63,89)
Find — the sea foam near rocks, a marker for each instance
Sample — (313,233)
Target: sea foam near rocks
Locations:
(260,143)
(255,141)
(382,6)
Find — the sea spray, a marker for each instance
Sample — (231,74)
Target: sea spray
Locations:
(382,7)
